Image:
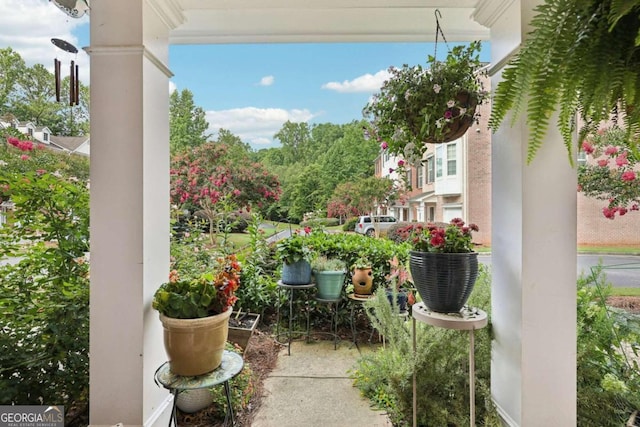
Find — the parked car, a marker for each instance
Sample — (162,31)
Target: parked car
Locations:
(366,226)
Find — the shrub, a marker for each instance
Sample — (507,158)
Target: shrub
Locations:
(44,298)
(320,222)
(386,376)
(350,224)
(608,381)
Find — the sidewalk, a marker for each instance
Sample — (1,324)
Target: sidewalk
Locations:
(312,388)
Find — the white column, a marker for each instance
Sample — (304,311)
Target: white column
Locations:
(129,210)
(534,216)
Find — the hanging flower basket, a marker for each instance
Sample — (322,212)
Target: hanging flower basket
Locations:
(433,104)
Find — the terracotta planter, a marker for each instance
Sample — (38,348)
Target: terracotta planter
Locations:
(195,346)
(362,279)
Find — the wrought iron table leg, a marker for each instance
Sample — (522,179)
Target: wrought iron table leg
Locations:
(229,413)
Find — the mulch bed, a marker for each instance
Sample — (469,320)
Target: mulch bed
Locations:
(631,304)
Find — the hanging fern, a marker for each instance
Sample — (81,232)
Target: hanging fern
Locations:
(582,59)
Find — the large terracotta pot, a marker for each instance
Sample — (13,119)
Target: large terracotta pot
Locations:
(362,279)
(444,280)
(195,346)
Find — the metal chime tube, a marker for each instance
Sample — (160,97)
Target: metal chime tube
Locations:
(56,68)
(77,86)
(72,84)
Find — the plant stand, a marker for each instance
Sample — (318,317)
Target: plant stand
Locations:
(291,289)
(231,366)
(469,319)
(357,303)
(334,304)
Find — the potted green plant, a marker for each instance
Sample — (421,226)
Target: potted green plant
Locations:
(580,59)
(295,255)
(362,277)
(399,285)
(195,312)
(329,274)
(443,264)
(432,104)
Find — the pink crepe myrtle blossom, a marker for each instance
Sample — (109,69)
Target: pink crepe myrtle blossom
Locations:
(628,176)
(610,150)
(613,177)
(384,145)
(587,147)
(621,160)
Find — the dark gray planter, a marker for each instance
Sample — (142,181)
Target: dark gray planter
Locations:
(444,280)
(298,273)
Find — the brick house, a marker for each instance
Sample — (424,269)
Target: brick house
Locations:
(455,181)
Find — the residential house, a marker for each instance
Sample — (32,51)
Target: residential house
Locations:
(454,180)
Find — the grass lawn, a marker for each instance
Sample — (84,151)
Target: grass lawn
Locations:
(617,250)
(625,292)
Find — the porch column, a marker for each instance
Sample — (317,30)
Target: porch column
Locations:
(129,209)
(534,217)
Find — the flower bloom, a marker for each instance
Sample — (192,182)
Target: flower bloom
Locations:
(628,176)
(448,114)
(24,157)
(384,145)
(622,211)
(610,150)
(621,160)
(436,88)
(608,213)
(587,147)
(603,163)
(451,103)
(400,163)
(391,170)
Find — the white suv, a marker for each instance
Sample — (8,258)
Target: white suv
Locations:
(368,227)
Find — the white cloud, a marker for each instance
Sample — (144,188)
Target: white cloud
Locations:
(172,87)
(364,83)
(27,26)
(267,81)
(255,125)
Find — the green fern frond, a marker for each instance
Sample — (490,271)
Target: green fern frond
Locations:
(580,58)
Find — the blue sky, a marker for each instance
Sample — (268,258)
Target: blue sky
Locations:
(250,90)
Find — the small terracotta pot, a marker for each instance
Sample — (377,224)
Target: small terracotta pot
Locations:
(362,279)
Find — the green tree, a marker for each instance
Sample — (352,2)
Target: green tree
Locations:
(12,66)
(187,122)
(295,140)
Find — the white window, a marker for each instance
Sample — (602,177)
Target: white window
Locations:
(439,157)
(431,173)
(420,175)
(451,159)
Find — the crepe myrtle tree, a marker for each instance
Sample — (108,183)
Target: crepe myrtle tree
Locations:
(361,196)
(207,180)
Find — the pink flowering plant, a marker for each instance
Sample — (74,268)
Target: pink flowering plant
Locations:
(612,171)
(453,238)
(423,104)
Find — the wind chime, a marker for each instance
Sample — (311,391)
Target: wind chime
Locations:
(74,73)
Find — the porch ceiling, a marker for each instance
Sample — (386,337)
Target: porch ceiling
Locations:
(322,21)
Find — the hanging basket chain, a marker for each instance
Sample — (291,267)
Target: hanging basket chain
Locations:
(439,32)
